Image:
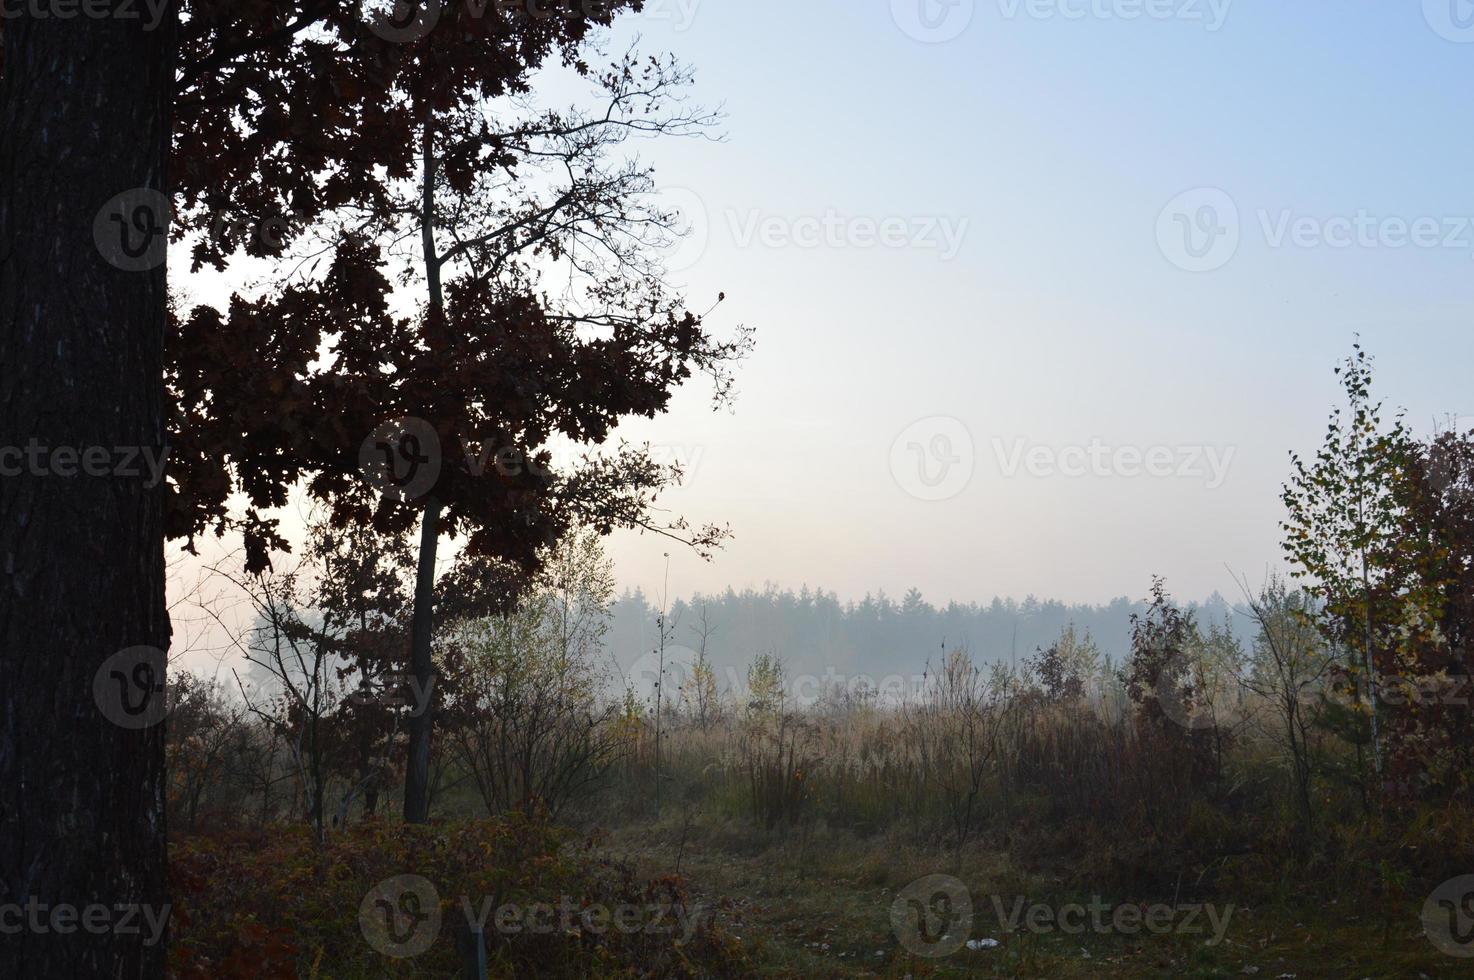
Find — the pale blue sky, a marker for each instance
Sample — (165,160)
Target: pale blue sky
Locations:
(1032,171)
(1059,142)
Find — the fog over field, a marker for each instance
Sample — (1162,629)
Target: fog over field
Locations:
(883,642)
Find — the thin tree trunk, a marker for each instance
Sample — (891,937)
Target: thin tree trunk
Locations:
(84,116)
(422,630)
(1373,688)
(417,771)
(1371,666)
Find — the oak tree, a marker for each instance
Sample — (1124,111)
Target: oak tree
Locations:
(528,253)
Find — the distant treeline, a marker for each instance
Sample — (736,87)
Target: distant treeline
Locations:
(815,634)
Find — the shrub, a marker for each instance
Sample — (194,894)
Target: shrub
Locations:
(256,904)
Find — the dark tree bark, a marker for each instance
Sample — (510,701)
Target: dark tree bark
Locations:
(422,632)
(422,628)
(83,117)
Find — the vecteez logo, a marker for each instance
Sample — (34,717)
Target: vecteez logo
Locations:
(933,21)
(151,12)
(406,20)
(933,458)
(1452,20)
(1198,230)
(1098,459)
(832,229)
(129,687)
(131,230)
(400,916)
(932,916)
(1210,13)
(690,231)
(402,458)
(1448,917)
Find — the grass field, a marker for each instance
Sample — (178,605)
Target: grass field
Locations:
(822,908)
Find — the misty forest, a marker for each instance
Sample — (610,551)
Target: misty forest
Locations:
(361,620)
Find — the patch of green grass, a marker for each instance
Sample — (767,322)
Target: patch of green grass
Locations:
(818,905)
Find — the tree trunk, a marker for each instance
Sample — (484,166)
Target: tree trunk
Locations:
(84,113)
(422,630)
(417,769)
(1371,666)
